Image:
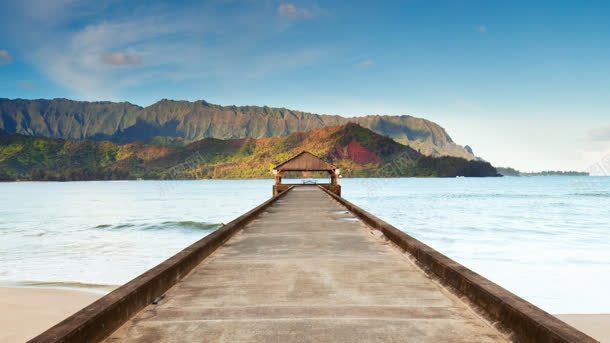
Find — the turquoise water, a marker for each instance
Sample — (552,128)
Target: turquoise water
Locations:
(547,239)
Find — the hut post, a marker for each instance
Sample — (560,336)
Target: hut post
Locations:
(333,178)
(334,182)
(277,187)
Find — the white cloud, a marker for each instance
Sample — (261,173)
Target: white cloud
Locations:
(292,11)
(5,57)
(121,58)
(365,64)
(82,63)
(288,10)
(600,134)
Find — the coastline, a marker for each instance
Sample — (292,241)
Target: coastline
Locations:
(28,312)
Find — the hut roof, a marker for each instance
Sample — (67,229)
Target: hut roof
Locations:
(305,161)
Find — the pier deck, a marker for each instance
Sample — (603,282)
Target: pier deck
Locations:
(309,266)
(307,270)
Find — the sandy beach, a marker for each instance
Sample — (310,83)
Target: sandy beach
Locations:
(26,312)
(594,325)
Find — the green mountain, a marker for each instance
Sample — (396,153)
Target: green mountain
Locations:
(358,151)
(190,121)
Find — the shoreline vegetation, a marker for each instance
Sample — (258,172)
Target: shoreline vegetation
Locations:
(357,151)
(508,171)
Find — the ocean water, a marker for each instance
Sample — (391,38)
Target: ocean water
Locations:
(547,239)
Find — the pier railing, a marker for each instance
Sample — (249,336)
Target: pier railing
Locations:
(523,321)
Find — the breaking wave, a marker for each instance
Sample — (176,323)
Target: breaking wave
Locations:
(167,225)
(101,288)
(592,194)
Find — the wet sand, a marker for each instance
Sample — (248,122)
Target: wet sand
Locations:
(26,312)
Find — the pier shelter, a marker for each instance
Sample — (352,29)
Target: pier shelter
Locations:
(306,162)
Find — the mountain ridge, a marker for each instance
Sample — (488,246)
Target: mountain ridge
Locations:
(357,151)
(194,120)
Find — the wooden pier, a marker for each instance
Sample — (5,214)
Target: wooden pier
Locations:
(333,279)
(309,266)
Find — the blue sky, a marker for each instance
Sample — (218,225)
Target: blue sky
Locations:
(525,83)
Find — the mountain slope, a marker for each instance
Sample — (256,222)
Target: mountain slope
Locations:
(190,121)
(62,118)
(356,150)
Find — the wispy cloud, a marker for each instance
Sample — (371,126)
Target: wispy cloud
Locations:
(283,61)
(47,9)
(121,58)
(25,85)
(5,57)
(288,10)
(482,29)
(596,150)
(292,11)
(120,50)
(600,134)
(365,64)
